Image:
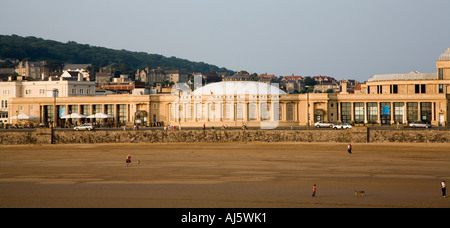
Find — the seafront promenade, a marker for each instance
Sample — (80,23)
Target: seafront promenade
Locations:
(186,135)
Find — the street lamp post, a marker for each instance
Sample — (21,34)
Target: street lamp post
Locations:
(55,117)
(307,101)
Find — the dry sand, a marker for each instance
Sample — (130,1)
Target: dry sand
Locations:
(224,175)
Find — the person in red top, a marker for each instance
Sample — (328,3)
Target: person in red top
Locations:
(314,191)
(349,148)
(128,161)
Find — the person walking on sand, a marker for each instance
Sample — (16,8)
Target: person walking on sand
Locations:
(314,191)
(128,160)
(349,148)
(444,189)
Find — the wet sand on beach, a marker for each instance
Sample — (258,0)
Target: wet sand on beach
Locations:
(223,175)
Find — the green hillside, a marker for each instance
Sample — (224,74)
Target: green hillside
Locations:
(37,49)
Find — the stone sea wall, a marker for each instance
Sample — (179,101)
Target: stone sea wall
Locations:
(357,135)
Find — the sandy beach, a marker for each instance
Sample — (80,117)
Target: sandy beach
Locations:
(224,175)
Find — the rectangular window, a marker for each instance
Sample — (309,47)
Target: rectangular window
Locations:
(240,112)
(110,110)
(395,89)
(346,112)
(278,107)
(253,112)
(290,112)
(74,91)
(441,73)
(417,89)
(425,112)
(123,113)
(441,88)
(81,91)
(372,112)
(412,110)
(73,109)
(385,112)
(49,111)
(359,112)
(188,111)
(265,111)
(86,110)
(398,112)
(98,109)
(423,89)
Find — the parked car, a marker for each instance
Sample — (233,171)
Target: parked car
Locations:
(323,124)
(342,126)
(86,127)
(420,124)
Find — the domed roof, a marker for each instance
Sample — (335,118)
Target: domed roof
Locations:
(238,88)
(445,55)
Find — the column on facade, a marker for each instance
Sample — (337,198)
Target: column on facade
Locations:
(338,111)
(220,112)
(182,112)
(365,112)
(258,111)
(246,106)
(404,112)
(274,110)
(149,114)
(168,112)
(433,111)
(129,113)
(378,113)
(419,112)
(392,113)
(352,111)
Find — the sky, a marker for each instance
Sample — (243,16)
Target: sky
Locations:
(346,39)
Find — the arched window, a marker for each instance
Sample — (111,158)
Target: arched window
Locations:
(290,112)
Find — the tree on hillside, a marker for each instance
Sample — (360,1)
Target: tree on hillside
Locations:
(213,77)
(38,49)
(309,81)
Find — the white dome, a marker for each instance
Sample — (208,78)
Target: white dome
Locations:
(238,88)
(445,55)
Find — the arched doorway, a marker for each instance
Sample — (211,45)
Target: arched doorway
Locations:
(319,115)
(140,118)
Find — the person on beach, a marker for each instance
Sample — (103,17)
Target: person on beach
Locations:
(314,191)
(444,189)
(349,148)
(128,160)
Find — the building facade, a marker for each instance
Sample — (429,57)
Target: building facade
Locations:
(37,90)
(383,100)
(35,70)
